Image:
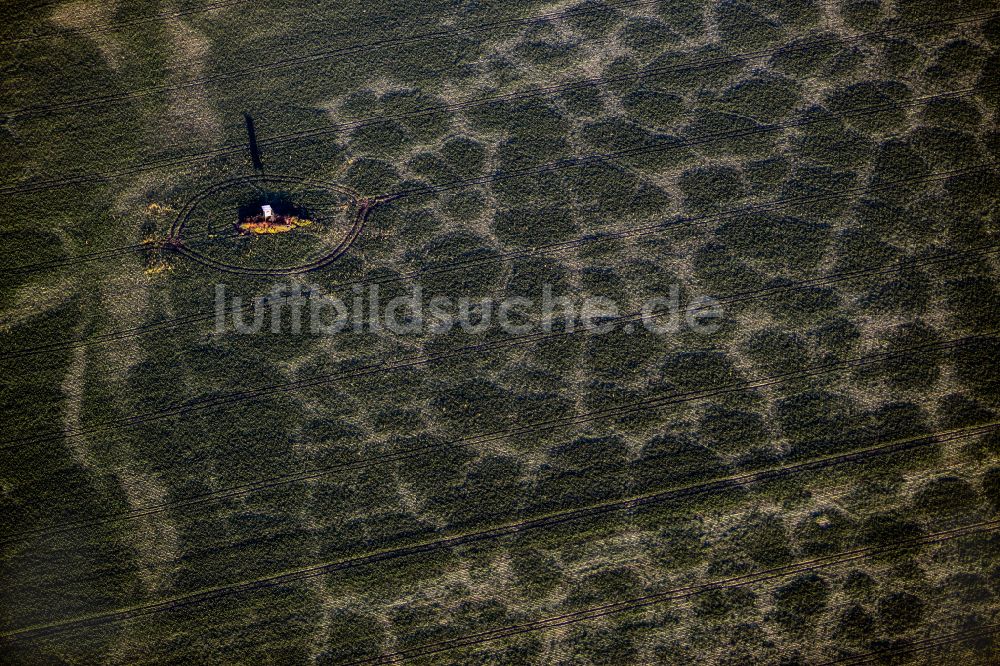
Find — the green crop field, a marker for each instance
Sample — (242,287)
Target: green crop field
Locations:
(277,387)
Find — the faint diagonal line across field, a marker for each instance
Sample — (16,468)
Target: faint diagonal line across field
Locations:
(672,595)
(190,407)
(574,162)
(651,403)
(566,163)
(206,586)
(102,177)
(364,47)
(634,505)
(764,292)
(28,633)
(720,484)
(943,640)
(503,257)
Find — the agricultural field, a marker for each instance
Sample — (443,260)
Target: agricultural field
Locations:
(793,458)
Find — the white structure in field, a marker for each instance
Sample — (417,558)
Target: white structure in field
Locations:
(268,213)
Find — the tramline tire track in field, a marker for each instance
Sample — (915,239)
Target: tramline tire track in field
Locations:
(107,176)
(262,484)
(770,205)
(682,223)
(951,522)
(721,484)
(637,317)
(735,298)
(573,162)
(195,598)
(586,160)
(201,404)
(826,495)
(188,407)
(725,389)
(536,626)
(636,603)
(359,48)
(562,620)
(600,158)
(918,646)
(551,425)
(176,243)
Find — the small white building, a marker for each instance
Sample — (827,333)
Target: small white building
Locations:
(268,212)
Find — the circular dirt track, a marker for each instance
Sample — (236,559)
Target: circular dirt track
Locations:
(205,231)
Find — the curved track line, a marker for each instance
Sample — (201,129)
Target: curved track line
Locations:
(826,493)
(444,267)
(638,317)
(177,243)
(598,158)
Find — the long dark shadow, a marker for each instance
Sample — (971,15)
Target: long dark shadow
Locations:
(252,139)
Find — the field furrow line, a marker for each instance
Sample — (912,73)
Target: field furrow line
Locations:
(94,178)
